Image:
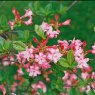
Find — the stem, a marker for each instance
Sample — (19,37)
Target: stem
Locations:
(71,5)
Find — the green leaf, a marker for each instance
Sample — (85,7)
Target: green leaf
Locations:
(3,21)
(62,9)
(48,7)
(63,62)
(40,92)
(1,48)
(18,45)
(1,44)
(6,45)
(2,40)
(70,57)
(91,92)
(72,91)
(39,31)
(26,35)
(59,84)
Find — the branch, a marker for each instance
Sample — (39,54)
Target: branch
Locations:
(71,5)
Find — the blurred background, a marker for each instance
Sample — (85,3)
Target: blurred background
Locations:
(82,14)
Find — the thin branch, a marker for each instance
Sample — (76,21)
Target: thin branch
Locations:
(71,5)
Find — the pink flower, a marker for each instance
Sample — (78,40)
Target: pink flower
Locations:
(8,60)
(82,89)
(13,94)
(77,47)
(93,75)
(45,26)
(52,34)
(3,89)
(19,20)
(28,22)
(34,70)
(82,62)
(93,49)
(28,53)
(26,65)
(73,77)
(56,23)
(66,76)
(40,58)
(63,93)
(27,14)
(53,54)
(67,22)
(20,57)
(49,30)
(13,87)
(75,44)
(85,75)
(39,85)
(63,44)
(11,24)
(25,55)
(46,65)
(69,79)
(20,72)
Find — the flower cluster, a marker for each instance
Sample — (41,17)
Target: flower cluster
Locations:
(19,19)
(38,60)
(48,28)
(34,59)
(38,85)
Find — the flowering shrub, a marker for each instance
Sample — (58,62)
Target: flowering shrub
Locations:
(41,69)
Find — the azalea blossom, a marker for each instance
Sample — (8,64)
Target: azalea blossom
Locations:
(63,44)
(20,72)
(93,49)
(8,60)
(34,70)
(53,34)
(69,79)
(56,23)
(19,19)
(49,30)
(53,54)
(13,86)
(45,26)
(40,58)
(3,89)
(85,75)
(25,55)
(64,93)
(13,94)
(39,85)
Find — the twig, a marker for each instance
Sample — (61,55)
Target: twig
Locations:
(71,5)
